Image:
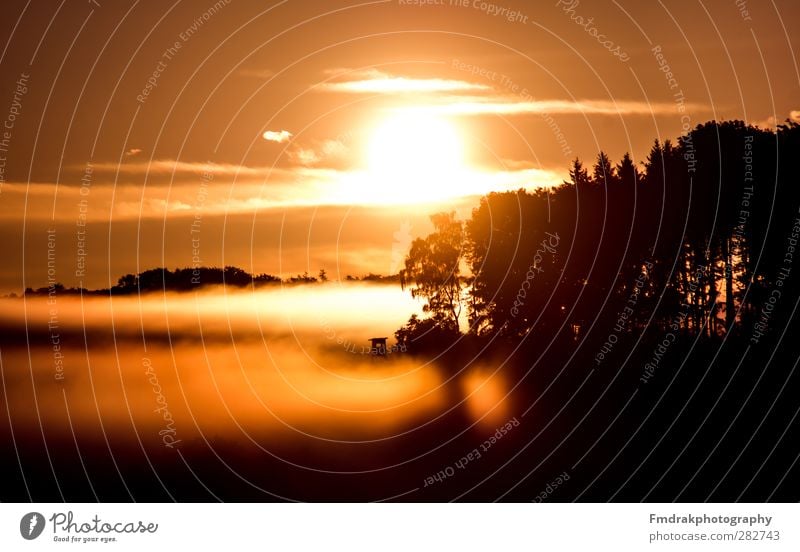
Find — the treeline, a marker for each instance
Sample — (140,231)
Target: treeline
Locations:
(697,239)
(188,279)
(376,278)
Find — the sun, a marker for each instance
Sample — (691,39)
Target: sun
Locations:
(414,157)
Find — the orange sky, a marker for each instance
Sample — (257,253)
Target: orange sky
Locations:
(258,121)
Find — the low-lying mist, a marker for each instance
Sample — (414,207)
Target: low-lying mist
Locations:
(250,365)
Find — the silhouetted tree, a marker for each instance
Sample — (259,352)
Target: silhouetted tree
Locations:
(603,173)
(626,171)
(432,269)
(579,176)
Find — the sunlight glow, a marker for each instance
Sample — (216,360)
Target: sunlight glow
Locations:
(415,157)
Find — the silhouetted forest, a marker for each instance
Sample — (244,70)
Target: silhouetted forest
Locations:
(696,240)
(647,308)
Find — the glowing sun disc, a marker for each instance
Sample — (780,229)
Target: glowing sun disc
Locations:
(415,154)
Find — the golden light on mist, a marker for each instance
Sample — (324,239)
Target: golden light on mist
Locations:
(224,361)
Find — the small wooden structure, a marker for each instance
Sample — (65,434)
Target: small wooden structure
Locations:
(378,347)
(576,327)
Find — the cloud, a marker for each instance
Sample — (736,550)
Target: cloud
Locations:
(256,188)
(772,122)
(458,97)
(399,85)
(133,152)
(505,106)
(172,166)
(279,136)
(331,153)
(378,82)
(324,151)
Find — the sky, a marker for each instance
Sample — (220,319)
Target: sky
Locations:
(289,136)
